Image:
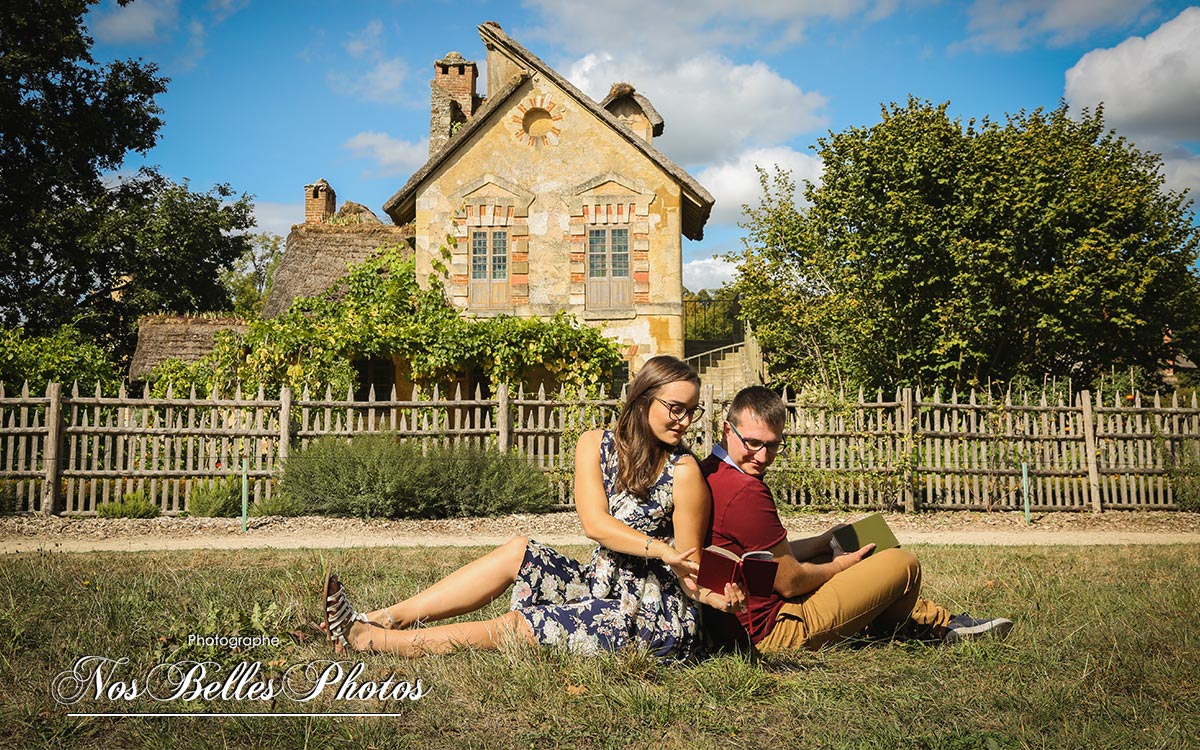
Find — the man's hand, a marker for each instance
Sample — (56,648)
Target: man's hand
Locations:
(847,559)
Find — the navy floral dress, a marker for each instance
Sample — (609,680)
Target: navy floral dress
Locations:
(615,600)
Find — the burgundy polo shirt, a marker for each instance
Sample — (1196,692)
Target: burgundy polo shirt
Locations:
(745,519)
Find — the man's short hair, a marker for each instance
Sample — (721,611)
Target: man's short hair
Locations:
(761,402)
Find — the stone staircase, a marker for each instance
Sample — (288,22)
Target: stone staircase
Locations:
(728,369)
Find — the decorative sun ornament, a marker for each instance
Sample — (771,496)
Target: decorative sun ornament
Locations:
(536,121)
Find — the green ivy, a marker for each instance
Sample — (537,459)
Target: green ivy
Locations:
(379,310)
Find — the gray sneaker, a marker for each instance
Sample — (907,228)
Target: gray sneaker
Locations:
(965,628)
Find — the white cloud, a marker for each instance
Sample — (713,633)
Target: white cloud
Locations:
(366,41)
(394,157)
(1149,86)
(194,50)
(1181,171)
(707,273)
(142,21)
(383,80)
(277,218)
(736,183)
(758,106)
(673,31)
(1012,25)
(222,9)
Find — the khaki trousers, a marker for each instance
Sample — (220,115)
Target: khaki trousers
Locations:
(882,591)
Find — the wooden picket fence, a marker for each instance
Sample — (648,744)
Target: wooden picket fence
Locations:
(70,452)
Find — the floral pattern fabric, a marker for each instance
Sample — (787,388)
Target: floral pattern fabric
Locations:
(614,600)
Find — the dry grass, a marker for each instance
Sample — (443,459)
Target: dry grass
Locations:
(1104,655)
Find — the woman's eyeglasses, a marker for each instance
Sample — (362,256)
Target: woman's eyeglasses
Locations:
(754,446)
(679,412)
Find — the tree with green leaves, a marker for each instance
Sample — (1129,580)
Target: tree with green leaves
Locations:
(65,356)
(76,245)
(935,253)
(248,280)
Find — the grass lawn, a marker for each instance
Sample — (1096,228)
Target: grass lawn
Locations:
(1105,654)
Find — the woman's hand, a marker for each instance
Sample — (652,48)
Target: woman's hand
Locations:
(683,568)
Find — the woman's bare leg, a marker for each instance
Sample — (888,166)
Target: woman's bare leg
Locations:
(488,634)
(465,590)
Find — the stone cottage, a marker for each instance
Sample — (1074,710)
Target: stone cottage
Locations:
(537,199)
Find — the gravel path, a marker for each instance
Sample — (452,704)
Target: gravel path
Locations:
(67,534)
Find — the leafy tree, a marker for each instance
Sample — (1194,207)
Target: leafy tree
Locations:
(73,246)
(379,310)
(164,248)
(711,316)
(65,356)
(939,254)
(248,280)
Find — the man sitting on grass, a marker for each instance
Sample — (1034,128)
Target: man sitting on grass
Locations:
(819,597)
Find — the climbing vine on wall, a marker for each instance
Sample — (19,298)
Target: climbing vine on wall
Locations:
(379,310)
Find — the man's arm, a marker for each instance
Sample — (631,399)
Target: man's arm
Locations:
(795,578)
(813,546)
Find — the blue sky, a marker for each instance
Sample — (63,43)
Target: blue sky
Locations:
(270,95)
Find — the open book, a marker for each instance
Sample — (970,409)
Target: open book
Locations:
(870,530)
(753,571)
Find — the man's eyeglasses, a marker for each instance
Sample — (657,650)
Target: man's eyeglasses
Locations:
(679,412)
(754,446)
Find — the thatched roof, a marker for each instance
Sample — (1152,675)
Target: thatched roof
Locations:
(697,202)
(354,213)
(317,255)
(181,337)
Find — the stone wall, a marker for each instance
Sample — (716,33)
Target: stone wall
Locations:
(544,170)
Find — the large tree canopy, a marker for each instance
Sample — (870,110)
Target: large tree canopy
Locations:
(75,245)
(939,254)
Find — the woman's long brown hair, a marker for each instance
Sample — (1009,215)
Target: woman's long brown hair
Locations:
(640,455)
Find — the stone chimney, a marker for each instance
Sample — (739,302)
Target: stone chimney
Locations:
(452,98)
(320,202)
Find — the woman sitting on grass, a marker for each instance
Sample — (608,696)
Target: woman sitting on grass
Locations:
(639,494)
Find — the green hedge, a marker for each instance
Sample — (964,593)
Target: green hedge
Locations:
(383,477)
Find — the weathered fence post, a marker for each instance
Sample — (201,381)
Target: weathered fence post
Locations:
(1090,449)
(285,422)
(907,414)
(51,489)
(503,418)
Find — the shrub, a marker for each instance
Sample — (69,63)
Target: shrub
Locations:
(279,504)
(132,505)
(216,498)
(9,502)
(1183,471)
(379,476)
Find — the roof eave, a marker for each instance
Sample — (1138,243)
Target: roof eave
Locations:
(401,207)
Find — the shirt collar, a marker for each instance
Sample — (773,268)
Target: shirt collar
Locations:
(720,452)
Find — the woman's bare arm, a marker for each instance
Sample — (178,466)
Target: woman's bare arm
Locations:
(591,503)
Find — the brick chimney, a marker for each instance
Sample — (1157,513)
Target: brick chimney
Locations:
(320,202)
(452,98)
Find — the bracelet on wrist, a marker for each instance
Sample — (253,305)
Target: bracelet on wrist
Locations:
(646,549)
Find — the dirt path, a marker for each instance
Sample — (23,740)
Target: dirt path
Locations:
(73,535)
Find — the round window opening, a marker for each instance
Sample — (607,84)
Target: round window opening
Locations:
(537,122)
